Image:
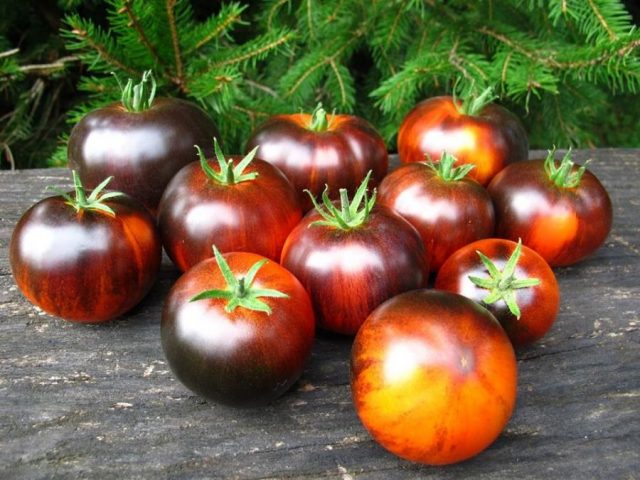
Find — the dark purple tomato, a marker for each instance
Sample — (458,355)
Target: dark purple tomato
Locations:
(314,150)
(448,209)
(517,285)
(475,132)
(238,335)
(86,265)
(350,270)
(143,149)
(561,211)
(252,210)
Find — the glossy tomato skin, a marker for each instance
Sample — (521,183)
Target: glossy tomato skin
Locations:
(539,305)
(349,273)
(86,266)
(242,358)
(491,140)
(433,377)
(251,216)
(447,214)
(339,157)
(141,150)
(564,225)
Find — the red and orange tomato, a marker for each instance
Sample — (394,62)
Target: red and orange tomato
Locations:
(433,377)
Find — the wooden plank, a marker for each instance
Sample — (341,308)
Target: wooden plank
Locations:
(82,401)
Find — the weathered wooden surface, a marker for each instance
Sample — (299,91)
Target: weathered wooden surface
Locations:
(99,402)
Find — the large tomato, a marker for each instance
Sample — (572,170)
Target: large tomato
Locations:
(353,257)
(448,209)
(141,143)
(512,281)
(248,207)
(237,329)
(85,258)
(319,149)
(433,377)
(475,131)
(561,211)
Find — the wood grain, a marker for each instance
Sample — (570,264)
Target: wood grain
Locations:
(81,401)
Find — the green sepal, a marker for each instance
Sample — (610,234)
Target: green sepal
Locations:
(95,200)
(502,285)
(563,175)
(473,104)
(445,167)
(229,173)
(319,121)
(138,97)
(239,291)
(351,214)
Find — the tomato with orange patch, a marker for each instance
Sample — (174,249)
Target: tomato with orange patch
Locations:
(561,211)
(314,150)
(475,131)
(433,377)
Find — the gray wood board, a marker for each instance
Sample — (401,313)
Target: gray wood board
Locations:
(80,401)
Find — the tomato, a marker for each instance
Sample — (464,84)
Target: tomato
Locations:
(448,209)
(249,207)
(319,149)
(561,211)
(85,259)
(476,132)
(352,258)
(513,282)
(142,144)
(237,329)
(433,377)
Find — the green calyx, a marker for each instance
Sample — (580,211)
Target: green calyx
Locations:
(351,214)
(229,173)
(95,200)
(503,284)
(473,104)
(240,291)
(445,168)
(563,175)
(319,121)
(139,97)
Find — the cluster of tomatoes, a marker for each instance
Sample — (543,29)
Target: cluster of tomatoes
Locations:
(293,236)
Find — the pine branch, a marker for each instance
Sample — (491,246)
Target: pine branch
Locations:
(255,50)
(215,27)
(135,23)
(170,6)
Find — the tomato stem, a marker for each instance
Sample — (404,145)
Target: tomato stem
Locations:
(229,173)
(564,175)
(472,105)
(95,200)
(445,167)
(239,291)
(503,284)
(319,121)
(352,213)
(138,98)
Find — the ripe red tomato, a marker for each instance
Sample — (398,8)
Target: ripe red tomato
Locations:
(561,211)
(249,207)
(319,149)
(433,377)
(85,259)
(237,329)
(476,132)
(512,281)
(352,258)
(142,144)
(448,209)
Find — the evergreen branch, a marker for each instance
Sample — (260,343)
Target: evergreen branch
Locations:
(594,8)
(170,5)
(310,19)
(254,50)
(217,25)
(135,23)
(273,10)
(343,93)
